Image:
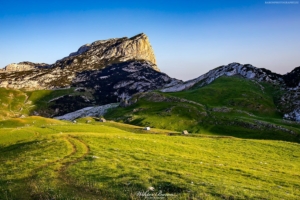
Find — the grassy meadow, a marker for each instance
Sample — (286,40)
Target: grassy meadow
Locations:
(49,159)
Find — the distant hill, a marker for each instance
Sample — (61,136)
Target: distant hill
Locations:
(288,84)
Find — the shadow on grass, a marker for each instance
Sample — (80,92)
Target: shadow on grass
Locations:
(17,147)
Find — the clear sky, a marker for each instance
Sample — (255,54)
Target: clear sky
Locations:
(189,37)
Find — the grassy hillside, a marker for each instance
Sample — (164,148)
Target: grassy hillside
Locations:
(12,102)
(230,106)
(236,92)
(15,103)
(49,159)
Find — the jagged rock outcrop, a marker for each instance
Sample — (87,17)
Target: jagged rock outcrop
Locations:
(294,115)
(95,56)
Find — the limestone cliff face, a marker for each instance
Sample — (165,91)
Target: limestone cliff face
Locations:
(137,47)
(95,56)
(103,52)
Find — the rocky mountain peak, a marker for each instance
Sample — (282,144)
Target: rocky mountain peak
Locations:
(103,52)
(99,54)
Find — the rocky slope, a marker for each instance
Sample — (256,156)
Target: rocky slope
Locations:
(121,80)
(94,56)
(115,83)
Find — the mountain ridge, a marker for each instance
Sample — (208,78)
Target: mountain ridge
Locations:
(115,69)
(247,71)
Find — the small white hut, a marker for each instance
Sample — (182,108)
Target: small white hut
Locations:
(147,128)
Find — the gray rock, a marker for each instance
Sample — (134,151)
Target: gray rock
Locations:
(102,119)
(185,132)
(87,112)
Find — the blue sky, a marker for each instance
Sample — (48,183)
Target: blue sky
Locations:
(188,37)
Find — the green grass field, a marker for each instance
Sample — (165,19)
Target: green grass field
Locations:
(258,98)
(48,159)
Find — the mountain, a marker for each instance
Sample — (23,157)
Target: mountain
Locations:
(95,56)
(105,71)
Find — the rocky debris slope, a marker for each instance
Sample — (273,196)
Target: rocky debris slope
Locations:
(95,56)
(95,111)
